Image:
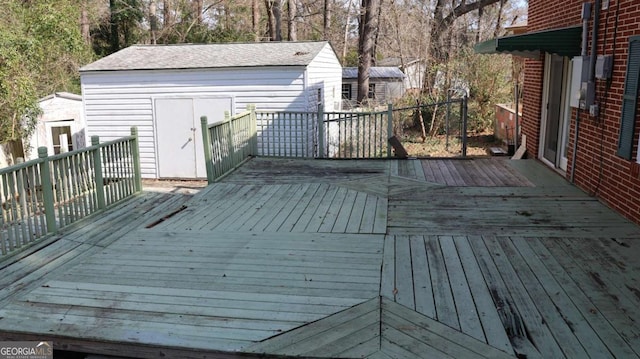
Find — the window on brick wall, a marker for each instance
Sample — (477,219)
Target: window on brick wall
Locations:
(630,100)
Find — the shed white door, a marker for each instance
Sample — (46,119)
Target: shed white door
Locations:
(179,137)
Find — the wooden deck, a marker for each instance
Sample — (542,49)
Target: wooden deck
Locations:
(378,259)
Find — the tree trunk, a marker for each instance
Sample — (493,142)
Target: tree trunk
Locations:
(292,14)
(197,10)
(255,19)
(167,18)
(153,21)
(346,31)
(277,13)
(274,14)
(377,32)
(114,36)
(84,23)
(496,32)
(366,46)
(478,35)
(326,19)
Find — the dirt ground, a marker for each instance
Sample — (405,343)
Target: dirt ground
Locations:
(174,186)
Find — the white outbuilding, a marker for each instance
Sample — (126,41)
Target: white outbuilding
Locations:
(60,127)
(165,89)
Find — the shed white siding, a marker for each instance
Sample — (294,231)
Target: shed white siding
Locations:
(124,90)
(325,73)
(115,101)
(62,110)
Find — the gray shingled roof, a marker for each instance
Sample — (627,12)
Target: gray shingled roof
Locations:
(189,56)
(374,73)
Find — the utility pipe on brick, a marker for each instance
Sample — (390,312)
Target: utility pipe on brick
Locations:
(586,14)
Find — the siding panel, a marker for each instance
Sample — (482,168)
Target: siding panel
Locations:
(116,100)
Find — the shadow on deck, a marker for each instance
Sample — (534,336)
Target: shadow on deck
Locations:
(378,259)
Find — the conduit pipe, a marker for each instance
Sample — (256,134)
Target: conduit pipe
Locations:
(586,14)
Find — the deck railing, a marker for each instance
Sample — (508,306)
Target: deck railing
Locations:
(323,134)
(357,134)
(354,134)
(228,143)
(41,196)
(287,134)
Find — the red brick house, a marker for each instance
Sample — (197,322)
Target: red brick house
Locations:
(570,94)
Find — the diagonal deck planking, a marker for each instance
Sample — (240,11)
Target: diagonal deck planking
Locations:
(376,328)
(378,259)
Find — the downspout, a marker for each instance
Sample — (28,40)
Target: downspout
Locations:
(586,14)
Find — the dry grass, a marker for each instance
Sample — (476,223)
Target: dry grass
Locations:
(477,145)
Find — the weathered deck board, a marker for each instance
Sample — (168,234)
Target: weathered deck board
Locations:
(426,332)
(451,211)
(455,258)
(477,172)
(523,323)
(249,297)
(429,276)
(318,207)
(604,303)
(75,240)
(575,315)
(315,336)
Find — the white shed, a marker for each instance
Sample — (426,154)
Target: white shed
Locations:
(60,127)
(164,89)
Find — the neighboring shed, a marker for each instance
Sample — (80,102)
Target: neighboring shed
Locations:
(413,69)
(164,89)
(385,84)
(60,127)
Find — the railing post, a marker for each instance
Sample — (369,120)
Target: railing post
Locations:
(464,126)
(230,139)
(254,130)
(135,153)
(97,168)
(47,190)
(390,127)
(320,131)
(206,144)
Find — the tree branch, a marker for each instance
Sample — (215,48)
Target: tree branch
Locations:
(464,8)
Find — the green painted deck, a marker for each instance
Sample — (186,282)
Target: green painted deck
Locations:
(352,259)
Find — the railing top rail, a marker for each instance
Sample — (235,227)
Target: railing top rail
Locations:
(227,120)
(285,113)
(356,113)
(428,104)
(36,161)
(20,166)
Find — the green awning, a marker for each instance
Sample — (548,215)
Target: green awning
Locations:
(563,42)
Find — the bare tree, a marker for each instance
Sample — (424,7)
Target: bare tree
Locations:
(274,14)
(443,21)
(346,30)
(292,14)
(326,19)
(366,45)
(496,33)
(153,21)
(255,19)
(113,26)
(197,10)
(84,22)
(167,16)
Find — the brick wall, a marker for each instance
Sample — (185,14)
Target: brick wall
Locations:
(598,170)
